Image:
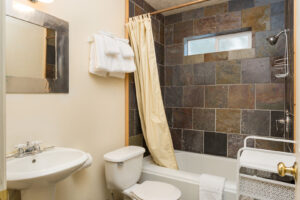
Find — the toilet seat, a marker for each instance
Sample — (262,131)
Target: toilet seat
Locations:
(153,190)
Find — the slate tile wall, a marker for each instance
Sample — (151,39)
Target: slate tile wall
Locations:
(213,101)
(138,7)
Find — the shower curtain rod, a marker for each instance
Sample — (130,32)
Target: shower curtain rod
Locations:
(178,6)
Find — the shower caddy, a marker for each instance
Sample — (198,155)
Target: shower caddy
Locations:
(262,188)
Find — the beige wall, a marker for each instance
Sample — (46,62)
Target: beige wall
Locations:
(92,116)
(2,99)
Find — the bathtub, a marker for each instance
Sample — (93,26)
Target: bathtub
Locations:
(191,165)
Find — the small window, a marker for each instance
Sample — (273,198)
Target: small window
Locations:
(229,42)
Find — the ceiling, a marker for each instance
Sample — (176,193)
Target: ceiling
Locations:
(161,4)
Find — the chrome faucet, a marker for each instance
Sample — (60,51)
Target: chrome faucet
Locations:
(30,148)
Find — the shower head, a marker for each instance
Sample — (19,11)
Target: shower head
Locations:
(274,39)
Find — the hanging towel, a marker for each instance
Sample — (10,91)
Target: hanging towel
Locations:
(93,63)
(110,44)
(211,187)
(106,58)
(126,50)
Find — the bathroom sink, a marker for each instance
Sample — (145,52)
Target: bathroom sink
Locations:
(40,172)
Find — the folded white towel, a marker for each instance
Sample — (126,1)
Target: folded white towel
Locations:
(110,45)
(105,61)
(211,187)
(125,49)
(93,63)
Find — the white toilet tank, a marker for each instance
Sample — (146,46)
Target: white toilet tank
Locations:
(123,167)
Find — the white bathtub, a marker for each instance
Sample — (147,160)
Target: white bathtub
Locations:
(191,165)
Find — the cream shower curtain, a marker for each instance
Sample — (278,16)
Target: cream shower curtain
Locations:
(151,109)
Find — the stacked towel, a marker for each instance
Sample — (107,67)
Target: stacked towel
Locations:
(211,187)
(111,56)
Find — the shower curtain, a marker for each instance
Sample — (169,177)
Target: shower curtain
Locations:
(148,93)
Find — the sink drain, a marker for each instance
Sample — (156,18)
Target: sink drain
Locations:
(34,161)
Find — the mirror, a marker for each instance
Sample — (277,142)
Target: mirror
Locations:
(36,52)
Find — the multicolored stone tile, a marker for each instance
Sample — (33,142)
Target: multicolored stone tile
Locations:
(160,53)
(278,16)
(182,30)
(228,72)
(177,138)
(179,75)
(174,54)
(265,2)
(229,21)
(193,96)
(241,54)
(215,143)
(205,25)
(256,70)
(237,5)
(255,122)
(216,96)
(216,9)
(169,34)
(172,19)
(193,59)
(156,30)
(204,73)
(204,119)
(241,96)
(162,33)
(258,18)
(219,56)
(193,14)
(173,96)
(270,96)
(228,121)
(182,118)
(193,141)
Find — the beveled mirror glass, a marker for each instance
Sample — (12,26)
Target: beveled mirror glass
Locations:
(36,51)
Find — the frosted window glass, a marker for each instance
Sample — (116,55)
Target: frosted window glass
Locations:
(201,46)
(234,43)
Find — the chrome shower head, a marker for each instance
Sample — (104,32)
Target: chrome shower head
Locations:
(274,39)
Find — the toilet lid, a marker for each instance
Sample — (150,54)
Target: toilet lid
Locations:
(152,190)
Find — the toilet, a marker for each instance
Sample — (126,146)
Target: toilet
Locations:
(123,169)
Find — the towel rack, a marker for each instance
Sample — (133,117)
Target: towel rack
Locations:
(264,188)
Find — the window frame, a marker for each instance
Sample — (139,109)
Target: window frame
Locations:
(218,37)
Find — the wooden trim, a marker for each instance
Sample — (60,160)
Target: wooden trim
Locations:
(126,83)
(4,195)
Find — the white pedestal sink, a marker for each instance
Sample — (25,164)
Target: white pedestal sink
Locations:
(37,175)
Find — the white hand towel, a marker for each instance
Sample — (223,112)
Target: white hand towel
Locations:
(211,187)
(110,46)
(93,61)
(110,43)
(126,49)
